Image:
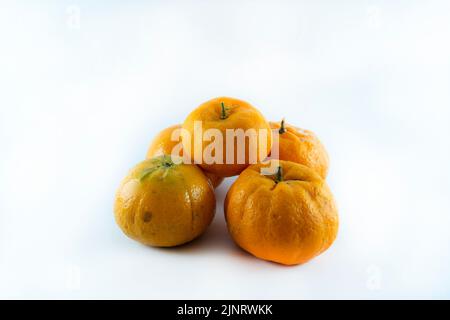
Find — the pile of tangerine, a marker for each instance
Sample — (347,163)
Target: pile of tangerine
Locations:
(287,216)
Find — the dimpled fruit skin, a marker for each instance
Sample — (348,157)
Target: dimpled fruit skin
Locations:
(288,222)
(163,144)
(164,206)
(240,115)
(302,146)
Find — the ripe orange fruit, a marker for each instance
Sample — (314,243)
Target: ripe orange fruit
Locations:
(164,144)
(301,146)
(289,217)
(164,204)
(220,114)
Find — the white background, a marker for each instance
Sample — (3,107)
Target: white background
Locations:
(84,86)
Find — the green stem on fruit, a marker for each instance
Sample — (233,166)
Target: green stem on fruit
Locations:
(279,175)
(167,161)
(282,127)
(160,162)
(223,114)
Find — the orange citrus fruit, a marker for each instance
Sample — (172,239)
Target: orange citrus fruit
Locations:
(288,217)
(221,116)
(161,203)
